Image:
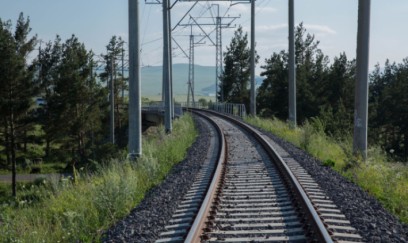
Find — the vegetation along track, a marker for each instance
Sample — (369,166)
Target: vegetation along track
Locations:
(251,194)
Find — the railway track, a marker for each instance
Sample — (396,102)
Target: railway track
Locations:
(248,193)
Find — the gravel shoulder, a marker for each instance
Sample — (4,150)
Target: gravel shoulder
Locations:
(366,214)
(147,220)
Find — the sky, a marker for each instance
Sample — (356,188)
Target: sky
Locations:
(333,22)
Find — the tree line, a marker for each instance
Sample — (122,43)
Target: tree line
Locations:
(74,112)
(325,90)
(74,117)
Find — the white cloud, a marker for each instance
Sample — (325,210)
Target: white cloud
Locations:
(271,27)
(320,29)
(266,10)
(246,9)
(242,8)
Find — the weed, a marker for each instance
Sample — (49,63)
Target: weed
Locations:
(385,179)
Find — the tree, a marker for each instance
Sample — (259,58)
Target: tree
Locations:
(311,72)
(323,90)
(113,59)
(47,63)
(272,98)
(389,108)
(17,86)
(236,75)
(338,105)
(78,100)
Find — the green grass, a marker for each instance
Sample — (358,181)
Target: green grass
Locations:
(49,168)
(5,192)
(384,179)
(81,211)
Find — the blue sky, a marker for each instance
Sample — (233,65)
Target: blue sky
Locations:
(334,22)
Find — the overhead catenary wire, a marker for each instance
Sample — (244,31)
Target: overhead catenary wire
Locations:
(197,8)
(147,23)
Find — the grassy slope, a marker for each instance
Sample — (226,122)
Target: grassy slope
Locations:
(384,179)
(69,212)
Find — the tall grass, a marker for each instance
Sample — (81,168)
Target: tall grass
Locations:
(383,178)
(81,211)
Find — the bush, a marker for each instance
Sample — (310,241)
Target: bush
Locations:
(203,102)
(329,162)
(36,169)
(106,152)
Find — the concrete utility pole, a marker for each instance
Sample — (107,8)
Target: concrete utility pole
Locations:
(170,67)
(112,104)
(135,109)
(166,66)
(191,71)
(218,55)
(361,89)
(253,87)
(292,66)
(123,73)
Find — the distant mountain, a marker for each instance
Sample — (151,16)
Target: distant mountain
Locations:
(210,89)
(204,80)
(152,79)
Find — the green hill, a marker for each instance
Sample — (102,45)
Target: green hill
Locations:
(204,80)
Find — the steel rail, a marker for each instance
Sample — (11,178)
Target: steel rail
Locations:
(197,229)
(316,228)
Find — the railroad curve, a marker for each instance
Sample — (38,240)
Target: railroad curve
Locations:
(248,193)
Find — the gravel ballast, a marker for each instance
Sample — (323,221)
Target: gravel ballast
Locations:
(366,214)
(147,220)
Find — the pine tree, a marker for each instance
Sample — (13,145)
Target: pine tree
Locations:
(311,72)
(236,75)
(389,113)
(47,63)
(17,87)
(272,95)
(337,108)
(113,68)
(78,99)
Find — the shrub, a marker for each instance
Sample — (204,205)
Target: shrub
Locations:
(329,162)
